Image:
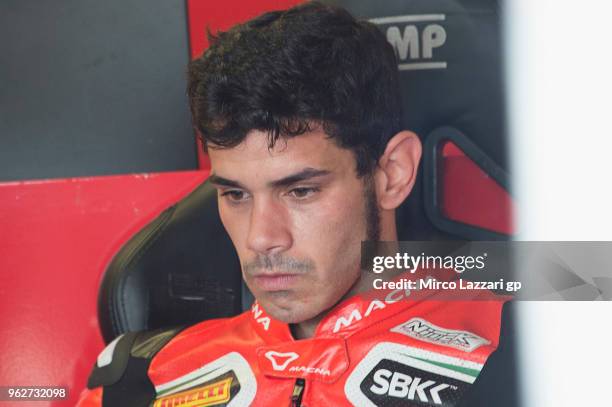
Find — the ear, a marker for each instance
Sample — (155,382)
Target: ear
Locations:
(397,169)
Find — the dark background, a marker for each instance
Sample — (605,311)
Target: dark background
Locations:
(93,88)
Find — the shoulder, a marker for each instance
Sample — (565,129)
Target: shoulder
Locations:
(213,326)
(498,382)
(113,361)
(123,368)
(124,364)
(455,347)
(204,339)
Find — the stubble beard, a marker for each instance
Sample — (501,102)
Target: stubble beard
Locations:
(372,214)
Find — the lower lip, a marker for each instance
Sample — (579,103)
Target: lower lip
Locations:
(276,283)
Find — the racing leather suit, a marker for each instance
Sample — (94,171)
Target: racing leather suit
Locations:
(369,350)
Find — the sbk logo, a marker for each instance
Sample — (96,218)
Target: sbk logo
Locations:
(393,374)
(396,384)
(274,357)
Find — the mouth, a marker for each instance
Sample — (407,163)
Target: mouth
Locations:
(276,282)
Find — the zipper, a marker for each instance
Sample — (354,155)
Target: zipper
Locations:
(298,392)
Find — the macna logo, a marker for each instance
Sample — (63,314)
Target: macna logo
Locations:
(276,357)
(310,370)
(281,360)
(423,330)
(259,316)
(393,297)
(415,39)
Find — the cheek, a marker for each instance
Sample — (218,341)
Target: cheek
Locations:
(333,231)
(233,222)
(340,213)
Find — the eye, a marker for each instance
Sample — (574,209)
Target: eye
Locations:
(235,196)
(303,192)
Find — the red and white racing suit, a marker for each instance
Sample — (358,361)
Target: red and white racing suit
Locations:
(386,350)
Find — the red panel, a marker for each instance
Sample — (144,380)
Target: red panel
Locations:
(471,196)
(55,239)
(213,16)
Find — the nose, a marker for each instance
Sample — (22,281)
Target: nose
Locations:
(269,231)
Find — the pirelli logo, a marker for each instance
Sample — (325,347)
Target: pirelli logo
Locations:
(210,395)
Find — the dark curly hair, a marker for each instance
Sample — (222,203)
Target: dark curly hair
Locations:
(288,72)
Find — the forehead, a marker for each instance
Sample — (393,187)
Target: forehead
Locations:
(253,159)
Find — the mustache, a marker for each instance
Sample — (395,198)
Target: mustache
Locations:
(279,263)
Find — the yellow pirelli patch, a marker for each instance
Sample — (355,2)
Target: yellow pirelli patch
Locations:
(209,395)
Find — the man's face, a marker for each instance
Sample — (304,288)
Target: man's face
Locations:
(296,214)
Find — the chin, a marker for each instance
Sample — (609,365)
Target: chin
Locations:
(291,314)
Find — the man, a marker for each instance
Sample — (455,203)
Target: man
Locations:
(300,113)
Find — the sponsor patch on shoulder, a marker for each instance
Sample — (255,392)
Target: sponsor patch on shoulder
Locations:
(423,330)
(212,393)
(227,381)
(397,375)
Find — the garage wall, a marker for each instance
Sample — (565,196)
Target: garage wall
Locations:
(93,88)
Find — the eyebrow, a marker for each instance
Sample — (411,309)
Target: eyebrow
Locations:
(303,175)
(223,182)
